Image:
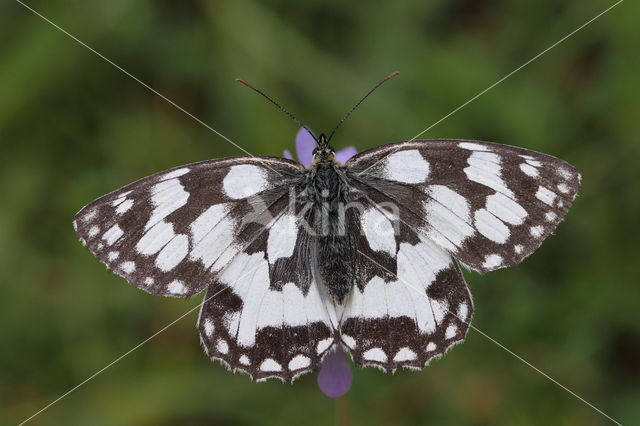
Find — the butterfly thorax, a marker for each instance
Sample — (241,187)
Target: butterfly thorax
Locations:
(329,192)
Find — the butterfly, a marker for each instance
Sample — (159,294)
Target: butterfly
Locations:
(298,260)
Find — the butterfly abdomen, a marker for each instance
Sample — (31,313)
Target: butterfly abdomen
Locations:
(329,190)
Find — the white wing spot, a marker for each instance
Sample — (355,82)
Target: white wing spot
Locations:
(208,327)
(463,311)
(155,238)
(451,200)
(517,248)
(222,346)
(562,187)
(534,163)
(536,231)
(448,214)
(113,255)
(550,216)
(128,267)
(484,168)
(379,231)
(231,320)
(431,347)
(324,344)
(176,173)
(282,238)
(270,365)
(440,308)
(349,341)
(529,170)
(148,281)
(112,235)
(90,215)
(506,209)
(173,253)
(491,227)
(244,180)
(564,173)
(244,360)
(177,287)
(473,146)
(167,197)
(405,354)
(212,231)
(375,354)
(451,331)
(94,231)
(545,195)
(406,166)
(298,362)
(492,260)
(125,206)
(100,245)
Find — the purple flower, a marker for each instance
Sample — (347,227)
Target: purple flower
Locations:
(335,376)
(305,145)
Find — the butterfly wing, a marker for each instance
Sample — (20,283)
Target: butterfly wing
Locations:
(276,322)
(170,233)
(231,225)
(487,204)
(410,303)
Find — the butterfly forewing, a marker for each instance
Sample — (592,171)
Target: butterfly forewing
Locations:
(169,233)
(489,205)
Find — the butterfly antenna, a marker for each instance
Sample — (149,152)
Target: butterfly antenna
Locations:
(270,99)
(393,74)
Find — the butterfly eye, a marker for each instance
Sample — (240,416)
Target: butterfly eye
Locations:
(315,151)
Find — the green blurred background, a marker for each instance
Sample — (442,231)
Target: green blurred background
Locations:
(73,127)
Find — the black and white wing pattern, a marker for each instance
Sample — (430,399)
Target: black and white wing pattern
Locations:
(488,205)
(170,233)
(277,322)
(224,224)
(410,304)
(240,226)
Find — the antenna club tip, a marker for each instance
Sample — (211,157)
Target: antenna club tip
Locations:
(245,82)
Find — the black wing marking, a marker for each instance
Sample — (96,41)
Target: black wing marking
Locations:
(489,205)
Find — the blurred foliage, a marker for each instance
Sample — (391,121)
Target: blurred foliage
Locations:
(73,127)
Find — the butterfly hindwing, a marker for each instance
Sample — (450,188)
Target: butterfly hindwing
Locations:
(274,320)
(410,302)
(489,205)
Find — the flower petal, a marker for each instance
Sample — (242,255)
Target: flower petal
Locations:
(305,144)
(335,376)
(288,155)
(344,154)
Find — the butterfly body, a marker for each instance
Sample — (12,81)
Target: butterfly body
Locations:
(363,254)
(332,243)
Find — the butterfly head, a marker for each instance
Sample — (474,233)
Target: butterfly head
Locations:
(323,151)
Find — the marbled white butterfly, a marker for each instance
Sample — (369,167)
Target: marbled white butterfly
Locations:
(297,260)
